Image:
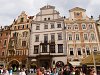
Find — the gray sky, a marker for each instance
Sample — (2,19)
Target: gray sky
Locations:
(10,9)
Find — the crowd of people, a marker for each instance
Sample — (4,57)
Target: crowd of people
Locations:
(66,70)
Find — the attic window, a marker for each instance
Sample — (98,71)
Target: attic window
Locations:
(21,19)
(78,14)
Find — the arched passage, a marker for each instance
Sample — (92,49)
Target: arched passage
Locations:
(59,64)
(14,64)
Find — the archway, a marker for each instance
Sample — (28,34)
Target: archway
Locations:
(59,64)
(14,64)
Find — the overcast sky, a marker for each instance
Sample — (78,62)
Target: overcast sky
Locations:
(10,9)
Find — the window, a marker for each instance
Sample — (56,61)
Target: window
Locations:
(88,50)
(22,19)
(45,19)
(77,36)
(37,27)
(83,26)
(69,27)
(36,38)
(44,48)
(95,48)
(0,41)
(23,26)
(92,37)
(58,25)
(52,48)
(75,27)
(25,34)
(71,51)
(36,49)
(2,53)
(59,36)
(24,43)
(18,52)
(48,18)
(85,37)
(52,26)
(91,26)
(45,38)
(60,48)
(15,27)
(69,36)
(79,51)
(6,34)
(18,27)
(45,26)
(5,41)
(27,26)
(0,34)
(52,37)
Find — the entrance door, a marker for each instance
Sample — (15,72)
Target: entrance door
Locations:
(44,63)
(14,65)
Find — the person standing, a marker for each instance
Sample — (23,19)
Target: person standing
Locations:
(54,72)
(39,72)
(66,71)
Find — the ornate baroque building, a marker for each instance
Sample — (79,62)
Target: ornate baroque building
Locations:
(81,35)
(4,40)
(18,46)
(47,40)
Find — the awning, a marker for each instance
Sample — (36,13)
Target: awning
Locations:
(89,60)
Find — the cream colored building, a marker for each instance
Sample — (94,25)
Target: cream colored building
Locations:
(81,35)
(19,42)
(47,39)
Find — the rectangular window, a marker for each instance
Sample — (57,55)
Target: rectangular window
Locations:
(59,36)
(38,27)
(45,38)
(36,49)
(95,48)
(6,34)
(58,25)
(5,42)
(36,38)
(52,48)
(88,50)
(75,27)
(68,26)
(22,19)
(92,37)
(77,36)
(60,48)
(48,18)
(79,51)
(27,26)
(44,48)
(85,37)
(52,26)
(90,26)
(0,34)
(71,51)
(45,26)
(24,43)
(18,27)
(83,26)
(22,26)
(45,19)
(69,36)
(52,37)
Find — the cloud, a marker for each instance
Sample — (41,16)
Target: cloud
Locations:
(10,9)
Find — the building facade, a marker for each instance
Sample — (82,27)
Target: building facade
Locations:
(4,40)
(47,39)
(81,35)
(18,46)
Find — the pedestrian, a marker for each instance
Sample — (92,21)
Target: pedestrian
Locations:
(54,72)
(22,72)
(38,71)
(66,71)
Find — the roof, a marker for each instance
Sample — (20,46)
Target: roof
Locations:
(77,9)
(47,7)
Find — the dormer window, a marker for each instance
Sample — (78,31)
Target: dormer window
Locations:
(78,14)
(22,19)
(45,19)
(48,18)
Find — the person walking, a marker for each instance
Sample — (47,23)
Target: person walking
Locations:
(67,70)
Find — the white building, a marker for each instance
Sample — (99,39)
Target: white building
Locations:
(47,40)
